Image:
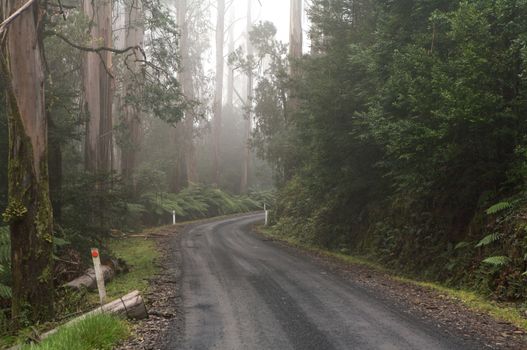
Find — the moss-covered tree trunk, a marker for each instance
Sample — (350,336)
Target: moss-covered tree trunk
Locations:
(29,211)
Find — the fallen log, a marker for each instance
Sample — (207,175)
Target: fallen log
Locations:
(88,280)
(131,306)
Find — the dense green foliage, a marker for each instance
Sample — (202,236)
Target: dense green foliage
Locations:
(411,124)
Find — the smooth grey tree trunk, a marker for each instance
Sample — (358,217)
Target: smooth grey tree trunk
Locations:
(218,97)
(248,122)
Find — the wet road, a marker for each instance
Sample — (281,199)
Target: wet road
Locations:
(241,291)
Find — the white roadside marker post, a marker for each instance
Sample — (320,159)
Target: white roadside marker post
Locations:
(99,276)
(266,215)
(173,217)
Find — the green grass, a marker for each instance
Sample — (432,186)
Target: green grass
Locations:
(501,311)
(99,332)
(140,254)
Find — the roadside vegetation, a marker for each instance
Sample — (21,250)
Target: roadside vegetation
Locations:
(140,255)
(398,136)
(407,145)
(100,332)
(513,313)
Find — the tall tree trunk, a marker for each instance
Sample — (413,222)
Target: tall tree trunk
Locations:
(29,211)
(295,29)
(97,86)
(295,54)
(295,48)
(132,116)
(230,78)
(218,98)
(179,176)
(247,153)
(187,85)
(55,170)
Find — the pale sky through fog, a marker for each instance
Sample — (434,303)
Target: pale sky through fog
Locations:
(275,11)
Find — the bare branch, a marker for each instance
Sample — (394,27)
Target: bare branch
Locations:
(97,49)
(15,14)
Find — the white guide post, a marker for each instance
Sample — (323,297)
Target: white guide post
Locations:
(173,217)
(266,215)
(98,274)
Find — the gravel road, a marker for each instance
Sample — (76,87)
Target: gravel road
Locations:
(241,291)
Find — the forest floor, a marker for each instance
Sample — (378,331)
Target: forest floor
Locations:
(442,312)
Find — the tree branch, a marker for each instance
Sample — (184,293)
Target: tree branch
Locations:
(99,49)
(15,14)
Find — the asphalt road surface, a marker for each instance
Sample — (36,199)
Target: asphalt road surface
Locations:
(241,291)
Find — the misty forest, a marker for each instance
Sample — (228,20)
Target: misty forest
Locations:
(393,133)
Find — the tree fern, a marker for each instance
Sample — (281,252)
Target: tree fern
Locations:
(497,261)
(498,207)
(489,239)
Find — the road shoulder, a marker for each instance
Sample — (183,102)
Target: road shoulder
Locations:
(428,304)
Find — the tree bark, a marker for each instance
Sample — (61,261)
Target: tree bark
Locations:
(132,115)
(295,29)
(218,97)
(187,85)
(97,88)
(29,212)
(230,78)
(295,47)
(55,170)
(244,184)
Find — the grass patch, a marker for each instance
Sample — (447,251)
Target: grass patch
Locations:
(349,259)
(501,311)
(100,332)
(140,255)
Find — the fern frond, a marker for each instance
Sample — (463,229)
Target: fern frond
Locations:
(461,245)
(5,292)
(498,207)
(497,260)
(489,239)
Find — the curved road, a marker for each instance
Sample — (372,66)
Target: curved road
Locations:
(243,292)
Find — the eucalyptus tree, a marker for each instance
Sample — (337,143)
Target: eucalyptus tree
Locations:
(97,88)
(246,165)
(134,37)
(218,97)
(230,75)
(295,29)
(29,212)
(187,83)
